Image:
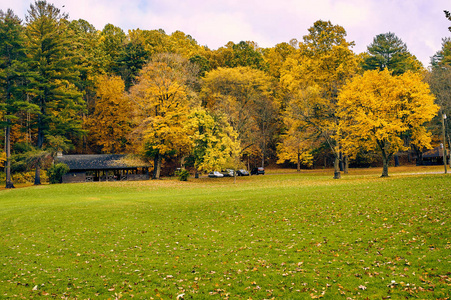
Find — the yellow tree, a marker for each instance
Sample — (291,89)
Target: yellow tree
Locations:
(2,158)
(295,145)
(162,99)
(376,108)
(183,44)
(215,143)
(245,96)
(276,56)
(110,124)
(313,76)
(300,138)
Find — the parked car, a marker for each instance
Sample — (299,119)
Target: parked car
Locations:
(228,173)
(215,174)
(242,172)
(258,171)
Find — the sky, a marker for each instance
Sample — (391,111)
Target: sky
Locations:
(420,24)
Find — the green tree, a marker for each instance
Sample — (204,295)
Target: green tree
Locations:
(448,16)
(91,61)
(247,54)
(202,62)
(53,74)
(389,51)
(12,69)
(131,60)
(243,54)
(56,173)
(89,56)
(439,79)
(443,57)
(112,40)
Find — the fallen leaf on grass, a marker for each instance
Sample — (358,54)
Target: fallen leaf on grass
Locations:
(181,296)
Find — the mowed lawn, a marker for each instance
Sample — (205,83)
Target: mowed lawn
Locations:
(281,236)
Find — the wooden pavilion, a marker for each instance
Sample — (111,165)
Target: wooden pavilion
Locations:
(103,167)
(433,156)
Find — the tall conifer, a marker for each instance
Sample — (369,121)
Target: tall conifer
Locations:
(53,74)
(12,61)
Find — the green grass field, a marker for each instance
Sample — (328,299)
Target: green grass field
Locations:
(281,236)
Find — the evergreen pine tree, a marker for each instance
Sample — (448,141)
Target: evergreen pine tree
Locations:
(53,74)
(12,66)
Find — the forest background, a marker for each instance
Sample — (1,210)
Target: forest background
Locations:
(67,87)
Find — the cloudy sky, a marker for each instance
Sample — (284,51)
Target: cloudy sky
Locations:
(421,24)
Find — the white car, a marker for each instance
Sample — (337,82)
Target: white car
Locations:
(215,174)
(228,173)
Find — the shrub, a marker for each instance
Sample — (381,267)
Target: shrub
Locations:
(28,177)
(56,172)
(23,177)
(183,174)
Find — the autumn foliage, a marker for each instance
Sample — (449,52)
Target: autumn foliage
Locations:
(109,124)
(172,101)
(377,108)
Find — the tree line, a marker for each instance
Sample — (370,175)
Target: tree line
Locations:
(67,87)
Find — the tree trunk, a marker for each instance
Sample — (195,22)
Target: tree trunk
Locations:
(385,161)
(385,157)
(299,162)
(9,183)
(157,166)
(341,162)
(396,161)
(182,161)
(37,176)
(449,147)
(384,166)
(346,163)
(419,156)
(337,174)
(444,144)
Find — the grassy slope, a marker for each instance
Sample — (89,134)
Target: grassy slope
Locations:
(283,236)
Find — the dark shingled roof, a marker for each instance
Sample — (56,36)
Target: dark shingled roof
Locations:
(96,162)
(436,152)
